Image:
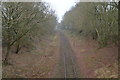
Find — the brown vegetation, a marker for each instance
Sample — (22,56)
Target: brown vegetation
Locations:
(38,63)
(94,62)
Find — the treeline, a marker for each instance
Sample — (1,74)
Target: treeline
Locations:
(98,21)
(22,22)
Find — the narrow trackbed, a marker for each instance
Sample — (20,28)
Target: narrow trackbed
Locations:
(67,59)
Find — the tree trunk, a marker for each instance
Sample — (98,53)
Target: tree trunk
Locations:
(18,49)
(7,56)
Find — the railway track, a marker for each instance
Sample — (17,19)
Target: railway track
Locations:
(68,65)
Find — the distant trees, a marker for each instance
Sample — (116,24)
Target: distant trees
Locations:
(97,20)
(23,21)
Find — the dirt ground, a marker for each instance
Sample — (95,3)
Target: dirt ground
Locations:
(94,62)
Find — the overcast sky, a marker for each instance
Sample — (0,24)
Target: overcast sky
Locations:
(61,6)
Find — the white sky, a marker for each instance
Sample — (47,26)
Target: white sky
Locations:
(61,6)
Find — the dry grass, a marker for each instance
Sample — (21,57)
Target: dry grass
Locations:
(93,62)
(107,71)
(38,63)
